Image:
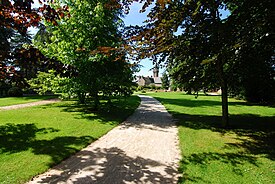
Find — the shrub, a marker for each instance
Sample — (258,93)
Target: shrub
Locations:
(139,88)
(15,92)
(152,86)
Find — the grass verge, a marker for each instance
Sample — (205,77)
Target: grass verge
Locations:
(6,101)
(243,153)
(34,139)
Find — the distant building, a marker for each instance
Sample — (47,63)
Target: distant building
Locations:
(150,81)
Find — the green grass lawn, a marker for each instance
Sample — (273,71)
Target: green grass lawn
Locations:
(36,138)
(6,101)
(243,153)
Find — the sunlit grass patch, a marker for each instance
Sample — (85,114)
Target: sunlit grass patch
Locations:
(242,153)
(6,101)
(36,138)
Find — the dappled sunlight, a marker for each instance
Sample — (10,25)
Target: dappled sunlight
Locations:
(242,149)
(112,113)
(108,165)
(20,137)
(138,151)
(34,139)
(23,137)
(258,132)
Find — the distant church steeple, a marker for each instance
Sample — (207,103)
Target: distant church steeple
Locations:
(156,70)
(156,67)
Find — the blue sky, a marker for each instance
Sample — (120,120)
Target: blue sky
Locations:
(136,18)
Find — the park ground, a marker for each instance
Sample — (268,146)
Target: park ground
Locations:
(242,153)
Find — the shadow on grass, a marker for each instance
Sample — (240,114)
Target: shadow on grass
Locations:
(260,130)
(22,137)
(109,165)
(117,112)
(255,137)
(199,102)
(205,158)
(16,138)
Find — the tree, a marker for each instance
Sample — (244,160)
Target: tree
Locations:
(202,38)
(50,81)
(15,19)
(11,41)
(254,57)
(165,81)
(210,50)
(17,16)
(87,38)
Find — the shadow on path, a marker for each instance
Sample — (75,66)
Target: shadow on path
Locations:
(109,166)
(141,150)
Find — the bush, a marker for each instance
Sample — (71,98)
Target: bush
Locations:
(152,86)
(15,92)
(139,88)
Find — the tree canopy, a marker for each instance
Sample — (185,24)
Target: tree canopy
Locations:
(88,38)
(203,49)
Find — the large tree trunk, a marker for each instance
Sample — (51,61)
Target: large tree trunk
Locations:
(220,64)
(81,97)
(225,119)
(96,100)
(223,83)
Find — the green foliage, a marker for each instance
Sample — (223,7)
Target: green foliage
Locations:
(139,88)
(87,39)
(210,50)
(42,84)
(5,35)
(49,82)
(153,86)
(237,51)
(11,41)
(176,86)
(253,69)
(15,92)
(165,81)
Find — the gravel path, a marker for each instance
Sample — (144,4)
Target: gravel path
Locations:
(19,106)
(143,149)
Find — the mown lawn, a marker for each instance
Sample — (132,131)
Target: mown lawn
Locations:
(6,101)
(242,153)
(34,139)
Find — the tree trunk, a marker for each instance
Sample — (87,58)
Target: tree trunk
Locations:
(96,101)
(225,119)
(223,83)
(81,97)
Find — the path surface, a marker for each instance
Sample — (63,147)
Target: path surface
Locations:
(143,149)
(19,106)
